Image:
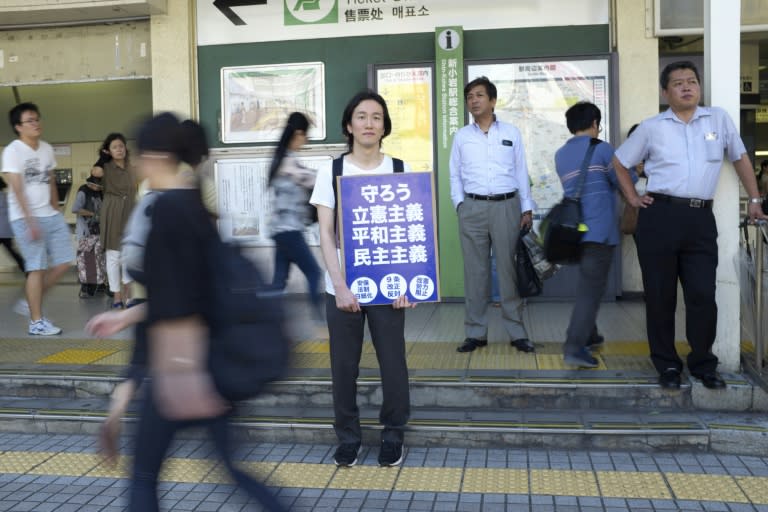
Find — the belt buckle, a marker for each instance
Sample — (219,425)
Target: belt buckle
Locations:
(696,203)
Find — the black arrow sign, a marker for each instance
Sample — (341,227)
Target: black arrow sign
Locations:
(225,6)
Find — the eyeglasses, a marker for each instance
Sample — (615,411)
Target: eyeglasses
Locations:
(32,121)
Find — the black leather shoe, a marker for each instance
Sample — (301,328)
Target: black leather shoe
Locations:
(523,345)
(670,379)
(471,344)
(711,380)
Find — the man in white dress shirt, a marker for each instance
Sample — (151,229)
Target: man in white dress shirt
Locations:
(491,192)
(676,233)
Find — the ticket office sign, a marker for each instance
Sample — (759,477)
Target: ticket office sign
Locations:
(388,237)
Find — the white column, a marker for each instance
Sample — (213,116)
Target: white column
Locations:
(638,54)
(173,59)
(722,35)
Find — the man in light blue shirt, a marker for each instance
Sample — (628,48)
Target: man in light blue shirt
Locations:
(676,233)
(491,192)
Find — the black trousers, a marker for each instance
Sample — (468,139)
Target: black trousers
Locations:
(346,330)
(153,438)
(675,242)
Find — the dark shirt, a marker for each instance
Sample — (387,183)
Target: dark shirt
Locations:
(176,258)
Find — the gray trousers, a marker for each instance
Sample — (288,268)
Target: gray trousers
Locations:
(482,225)
(346,330)
(594,268)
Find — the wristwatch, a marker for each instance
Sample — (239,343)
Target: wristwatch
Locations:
(756,200)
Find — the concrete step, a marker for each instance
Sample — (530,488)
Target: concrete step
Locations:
(491,389)
(639,430)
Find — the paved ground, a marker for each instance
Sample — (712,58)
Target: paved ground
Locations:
(63,473)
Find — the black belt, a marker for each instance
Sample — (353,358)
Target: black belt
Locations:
(494,197)
(690,202)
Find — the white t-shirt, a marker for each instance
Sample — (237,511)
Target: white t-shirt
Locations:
(36,168)
(322,195)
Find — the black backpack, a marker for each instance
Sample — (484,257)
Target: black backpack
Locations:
(249,347)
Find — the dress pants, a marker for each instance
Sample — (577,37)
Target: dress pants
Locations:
(594,268)
(482,225)
(675,241)
(346,330)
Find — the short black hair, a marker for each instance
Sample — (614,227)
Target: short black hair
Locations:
(490,89)
(581,116)
(346,118)
(764,164)
(14,115)
(674,66)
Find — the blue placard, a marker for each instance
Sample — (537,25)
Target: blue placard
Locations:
(388,240)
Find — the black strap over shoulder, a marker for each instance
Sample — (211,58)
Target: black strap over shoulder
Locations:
(593,142)
(338,170)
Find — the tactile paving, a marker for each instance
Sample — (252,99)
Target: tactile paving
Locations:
(688,486)
(311,347)
(756,488)
(294,474)
(310,360)
(75,356)
(121,468)
(119,358)
(563,483)
(630,484)
(364,478)
(429,479)
(555,362)
(22,462)
(185,470)
(501,356)
(67,464)
(220,475)
(495,480)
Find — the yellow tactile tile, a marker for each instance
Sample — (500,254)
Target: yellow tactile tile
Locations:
(185,470)
(756,488)
(493,480)
(119,358)
(626,348)
(621,362)
(311,347)
(67,464)
(500,356)
(22,462)
(295,474)
(555,362)
(368,360)
(438,361)
(429,348)
(75,356)
(628,484)
(220,475)
(429,479)
(688,486)
(121,468)
(365,478)
(310,360)
(563,483)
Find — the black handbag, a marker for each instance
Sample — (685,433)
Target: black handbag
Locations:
(528,281)
(563,228)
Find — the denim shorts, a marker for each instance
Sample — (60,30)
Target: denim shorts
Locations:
(54,247)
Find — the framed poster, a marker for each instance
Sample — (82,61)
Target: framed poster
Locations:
(257,100)
(388,237)
(533,96)
(243,199)
(408,93)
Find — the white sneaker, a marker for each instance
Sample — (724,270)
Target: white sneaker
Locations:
(43,327)
(21,307)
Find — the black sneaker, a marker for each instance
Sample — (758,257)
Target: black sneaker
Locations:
(346,454)
(391,454)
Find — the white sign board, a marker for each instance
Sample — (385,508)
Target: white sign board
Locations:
(286,20)
(244,203)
